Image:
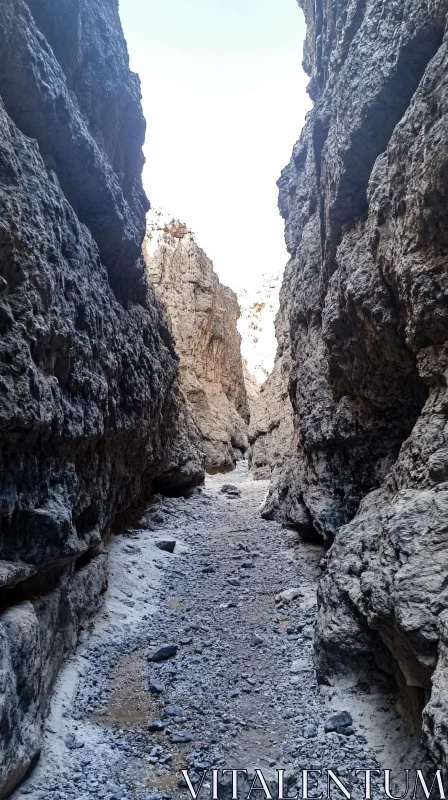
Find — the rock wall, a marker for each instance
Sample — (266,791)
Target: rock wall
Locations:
(364,201)
(91,419)
(203,317)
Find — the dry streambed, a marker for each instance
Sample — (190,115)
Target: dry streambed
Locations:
(234,607)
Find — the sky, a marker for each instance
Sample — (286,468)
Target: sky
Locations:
(224,98)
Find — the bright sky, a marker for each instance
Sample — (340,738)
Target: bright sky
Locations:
(224,98)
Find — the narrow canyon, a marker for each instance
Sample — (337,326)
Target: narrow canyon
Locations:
(203,568)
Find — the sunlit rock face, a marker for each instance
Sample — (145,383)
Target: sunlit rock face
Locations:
(259,305)
(366,297)
(203,317)
(265,345)
(91,419)
(271,425)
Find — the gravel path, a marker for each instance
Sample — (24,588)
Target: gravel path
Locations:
(239,691)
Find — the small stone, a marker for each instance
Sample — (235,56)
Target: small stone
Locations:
(299,665)
(309,731)
(156,687)
(288,595)
(174,711)
(345,730)
(162,652)
(72,743)
(341,719)
(167,545)
(157,517)
(230,490)
(156,725)
(180,737)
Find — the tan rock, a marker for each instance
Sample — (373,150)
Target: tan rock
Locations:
(202,315)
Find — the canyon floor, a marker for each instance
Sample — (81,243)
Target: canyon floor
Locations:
(240,691)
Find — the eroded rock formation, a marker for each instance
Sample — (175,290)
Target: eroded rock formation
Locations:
(91,419)
(203,317)
(364,200)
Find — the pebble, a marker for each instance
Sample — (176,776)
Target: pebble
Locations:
(167,545)
(162,652)
(309,731)
(341,719)
(182,737)
(240,674)
(299,665)
(156,687)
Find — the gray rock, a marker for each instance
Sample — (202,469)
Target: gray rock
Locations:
(156,687)
(162,652)
(230,490)
(72,743)
(157,725)
(167,545)
(181,737)
(299,665)
(341,719)
(288,595)
(309,731)
(174,711)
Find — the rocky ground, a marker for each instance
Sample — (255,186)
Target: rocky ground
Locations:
(236,601)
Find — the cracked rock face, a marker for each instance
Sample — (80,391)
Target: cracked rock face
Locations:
(203,317)
(364,201)
(91,418)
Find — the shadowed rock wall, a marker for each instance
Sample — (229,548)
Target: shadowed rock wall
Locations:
(364,201)
(203,317)
(91,419)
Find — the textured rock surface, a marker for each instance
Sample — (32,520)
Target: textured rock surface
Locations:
(364,200)
(90,416)
(203,317)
